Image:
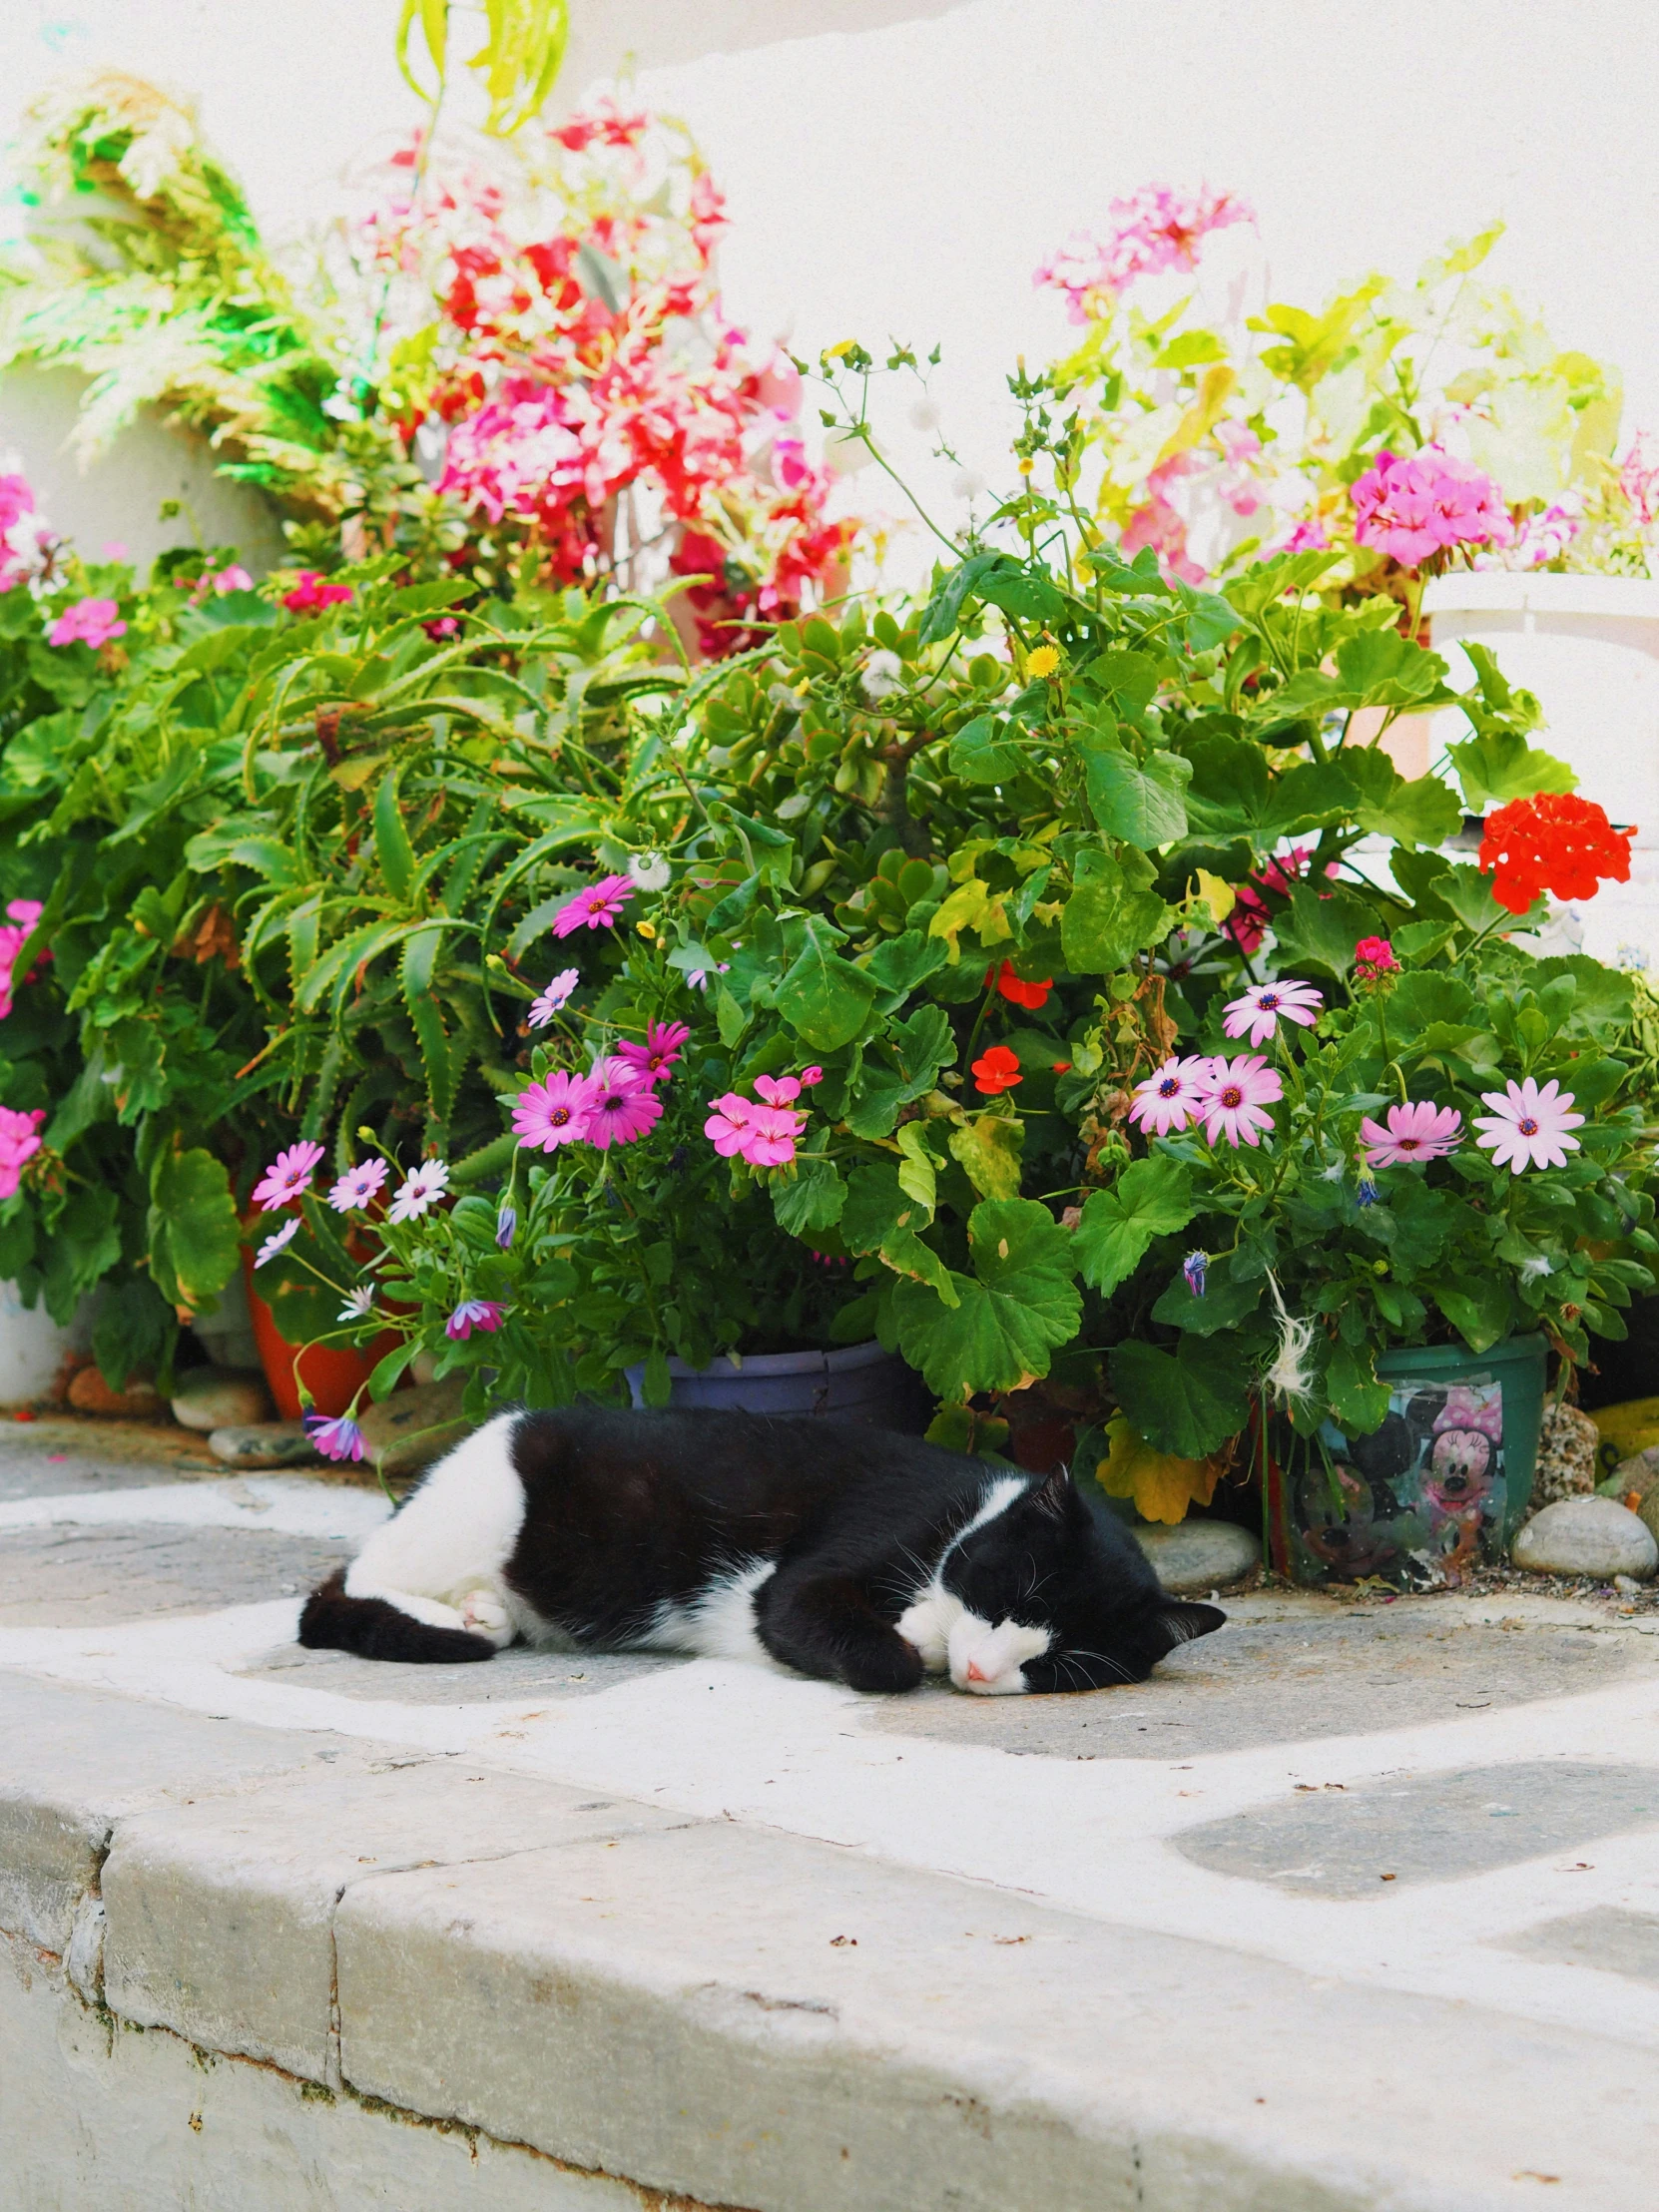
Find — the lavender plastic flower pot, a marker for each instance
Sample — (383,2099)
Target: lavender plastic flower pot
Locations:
(862,1383)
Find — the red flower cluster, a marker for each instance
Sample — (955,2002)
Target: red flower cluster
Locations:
(311,595)
(598,398)
(1554,842)
(1016,990)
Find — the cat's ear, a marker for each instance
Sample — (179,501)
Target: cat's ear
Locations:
(1181,1622)
(1055,1497)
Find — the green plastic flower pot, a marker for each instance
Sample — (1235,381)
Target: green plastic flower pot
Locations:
(1438,1489)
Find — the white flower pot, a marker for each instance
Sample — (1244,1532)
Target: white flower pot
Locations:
(1588,646)
(33,1347)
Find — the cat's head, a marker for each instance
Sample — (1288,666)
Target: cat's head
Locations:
(1051,1600)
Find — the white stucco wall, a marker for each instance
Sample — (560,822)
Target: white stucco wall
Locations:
(899,165)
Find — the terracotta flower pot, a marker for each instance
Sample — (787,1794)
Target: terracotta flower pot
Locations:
(333,1373)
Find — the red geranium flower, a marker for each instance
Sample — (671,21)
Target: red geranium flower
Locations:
(1015,988)
(1554,842)
(996,1070)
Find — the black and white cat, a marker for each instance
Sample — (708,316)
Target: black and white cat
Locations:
(846,1552)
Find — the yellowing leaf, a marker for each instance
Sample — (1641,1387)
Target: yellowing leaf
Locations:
(1162,1485)
(988,1147)
(917,1169)
(1218,895)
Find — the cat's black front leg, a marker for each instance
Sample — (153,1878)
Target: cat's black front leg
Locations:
(827,1626)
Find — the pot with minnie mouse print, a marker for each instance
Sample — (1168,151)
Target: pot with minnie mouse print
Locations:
(1433,1492)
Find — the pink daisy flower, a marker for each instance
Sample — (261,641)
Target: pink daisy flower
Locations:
(1235,1093)
(419,1190)
(289,1174)
(1171,1096)
(358,1186)
(594,908)
(653,1060)
(543,1009)
(624,1106)
(1527,1127)
(339,1438)
(1263,1005)
(482,1313)
(554,1112)
(1419,1130)
(274,1244)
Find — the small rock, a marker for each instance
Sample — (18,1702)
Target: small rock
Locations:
(90,1394)
(268,1444)
(220,1398)
(411,1429)
(1587,1535)
(1199,1556)
(1636,1476)
(1625,1585)
(1648,1513)
(1567,1465)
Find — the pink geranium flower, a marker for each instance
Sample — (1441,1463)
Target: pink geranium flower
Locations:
(89,622)
(660,1052)
(730,1121)
(1235,1093)
(810,1076)
(1419,1130)
(1171,1096)
(1263,1005)
(778,1090)
(594,908)
(14,936)
(482,1313)
(311,595)
(19,1142)
(1527,1127)
(288,1176)
(553,1112)
(624,1106)
(1410,507)
(358,1186)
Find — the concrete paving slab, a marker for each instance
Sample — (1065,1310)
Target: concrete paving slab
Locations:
(1341,1841)
(1289,1673)
(509,1678)
(221,1914)
(66,1454)
(1606,1939)
(72,1577)
(801,2030)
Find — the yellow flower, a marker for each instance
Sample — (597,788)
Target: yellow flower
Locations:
(839,353)
(646,929)
(1043,662)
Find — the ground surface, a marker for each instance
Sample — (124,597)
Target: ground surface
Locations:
(1355,1904)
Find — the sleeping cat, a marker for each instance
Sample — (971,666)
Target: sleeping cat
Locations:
(844,1551)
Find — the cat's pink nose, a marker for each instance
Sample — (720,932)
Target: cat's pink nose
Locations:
(975,1671)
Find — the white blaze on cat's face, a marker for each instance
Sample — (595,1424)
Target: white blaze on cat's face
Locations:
(987,1658)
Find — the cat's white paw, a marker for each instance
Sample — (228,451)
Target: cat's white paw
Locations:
(927,1624)
(484,1614)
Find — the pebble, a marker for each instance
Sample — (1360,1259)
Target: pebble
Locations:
(1199,1556)
(1587,1535)
(220,1398)
(1639,1474)
(1648,1513)
(411,1429)
(90,1394)
(267,1443)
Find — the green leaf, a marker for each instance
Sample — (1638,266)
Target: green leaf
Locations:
(657,1386)
(903,1250)
(1499,764)
(134,1332)
(415,975)
(391,1367)
(1142,804)
(811,1198)
(1424,812)
(902,962)
(194,1237)
(873,1204)
(1188,1402)
(1151,1197)
(1228,795)
(1129,679)
(1324,927)
(980,755)
(823,998)
(1019,1303)
(731,1019)
(988,1148)
(917,1169)
(393,852)
(1105,923)
(1356,1398)
(1223,1305)
(1479,1308)
(1421,998)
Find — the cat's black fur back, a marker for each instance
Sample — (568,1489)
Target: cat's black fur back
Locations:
(714,1531)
